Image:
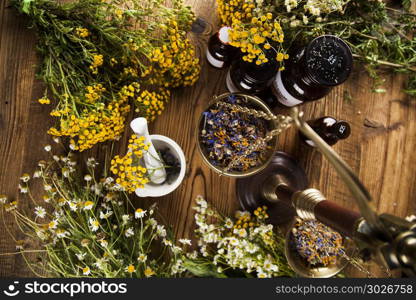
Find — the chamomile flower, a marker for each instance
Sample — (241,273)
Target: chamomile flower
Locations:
(142,258)
(19,245)
(91,162)
(40,212)
(25,177)
(106,215)
(99,264)
(61,201)
(185,242)
(48,148)
(23,189)
(94,224)
(61,233)
(73,206)
(47,187)
(103,243)
(42,234)
(81,256)
(240,232)
(88,205)
(65,172)
(262,275)
(125,219)
(85,242)
(139,213)
(167,242)
(37,174)
(53,224)
(3,199)
(130,269)
(252,248)
(87,178)
(46,198)
(233,241)
(129,232)
(201,202)
(161,231)
(86,271)
(109,180)
(411,218)
(148,272)
(152,222)
(192,255)
(228,223)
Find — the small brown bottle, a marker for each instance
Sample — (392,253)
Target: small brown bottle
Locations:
(219,52)
(312,71)
(250,78)
(329,129)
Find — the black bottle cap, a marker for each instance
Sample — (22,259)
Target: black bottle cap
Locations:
(341,129)
(328,60)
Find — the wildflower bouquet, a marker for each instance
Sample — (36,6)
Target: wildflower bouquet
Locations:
(98,58)
(242,247)
(88,227)
(379,35)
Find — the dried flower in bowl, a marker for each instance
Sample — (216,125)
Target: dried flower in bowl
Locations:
(316,243)
(228,133)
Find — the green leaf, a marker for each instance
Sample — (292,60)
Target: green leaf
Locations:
(26,6)
(202,268)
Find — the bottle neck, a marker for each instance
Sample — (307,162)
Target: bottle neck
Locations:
(341,130)
(223,35)
(250,77)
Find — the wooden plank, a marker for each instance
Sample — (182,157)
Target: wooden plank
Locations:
(380,148)
(16,85)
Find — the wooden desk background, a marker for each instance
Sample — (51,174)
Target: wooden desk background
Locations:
(381,149)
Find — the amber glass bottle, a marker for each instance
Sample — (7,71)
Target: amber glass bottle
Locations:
(312,71)
(219,52)
(329,129)
(250,78)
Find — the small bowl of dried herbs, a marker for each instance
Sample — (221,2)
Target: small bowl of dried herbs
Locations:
(315,250)
(233,135)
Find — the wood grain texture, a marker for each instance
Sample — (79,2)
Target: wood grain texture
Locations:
(380,149)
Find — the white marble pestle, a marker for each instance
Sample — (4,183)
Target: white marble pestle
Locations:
(151,158)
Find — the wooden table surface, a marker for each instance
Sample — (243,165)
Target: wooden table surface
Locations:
(381,149)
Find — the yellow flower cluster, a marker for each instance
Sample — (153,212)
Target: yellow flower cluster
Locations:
(82,32)
(246,220)
(173,64)
(261,213)
(235,10)
(44,100)
(60,112)
(93,108)
(256,37)
(151,104)
(97,125)
(130,174)
(94,92)
(97,61)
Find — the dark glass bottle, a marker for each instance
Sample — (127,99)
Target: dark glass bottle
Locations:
(312,71)
(329,129)
(219,52)
(250,78)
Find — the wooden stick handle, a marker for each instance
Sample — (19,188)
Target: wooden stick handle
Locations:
(341,219)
